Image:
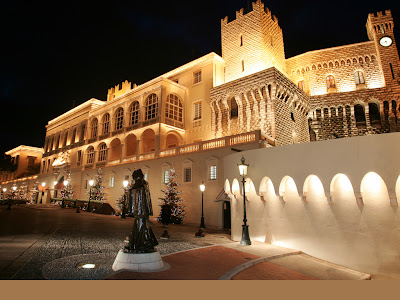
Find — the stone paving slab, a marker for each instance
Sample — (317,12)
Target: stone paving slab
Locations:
(207,263)
(270,271)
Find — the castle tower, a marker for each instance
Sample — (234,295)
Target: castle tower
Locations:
(380,30)
(252,42)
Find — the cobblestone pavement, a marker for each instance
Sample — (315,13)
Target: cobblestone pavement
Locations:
(86,236)
(48,242)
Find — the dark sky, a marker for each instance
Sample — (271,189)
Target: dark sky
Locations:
(60,51)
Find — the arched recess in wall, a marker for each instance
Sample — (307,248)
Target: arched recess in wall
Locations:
(130,145)
(341,187)
(287,188)
(148,139)
(115,148)
(313,188)
(249,188)
(173,139)
(235,188)
(373,190)
(266,189)
(397,188)
(227,187)
(374,114)
(359,114)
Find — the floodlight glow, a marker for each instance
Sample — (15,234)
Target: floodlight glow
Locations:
(125,183)
(43,184)
(88,266)
(91,182)
(65,182)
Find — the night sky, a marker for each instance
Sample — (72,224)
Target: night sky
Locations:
(60,52)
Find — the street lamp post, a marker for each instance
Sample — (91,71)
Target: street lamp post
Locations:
(91,182)
(43,185)
(4,193)
(123,215)
(202,189)
(245,228)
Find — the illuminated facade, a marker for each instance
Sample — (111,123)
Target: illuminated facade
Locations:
(252,97)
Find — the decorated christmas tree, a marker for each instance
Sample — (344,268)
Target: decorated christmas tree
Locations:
(22,191)
(171,197)
(98,189)
(122,201)
(67,192)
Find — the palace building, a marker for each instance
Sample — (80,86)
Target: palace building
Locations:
(251,97)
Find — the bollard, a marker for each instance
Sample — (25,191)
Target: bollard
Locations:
(62,203)
(9,204)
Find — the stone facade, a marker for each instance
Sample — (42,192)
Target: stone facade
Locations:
(251,97)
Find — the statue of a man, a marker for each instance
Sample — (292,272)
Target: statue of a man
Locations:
(142,239)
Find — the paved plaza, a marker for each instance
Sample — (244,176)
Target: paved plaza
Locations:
(48,242)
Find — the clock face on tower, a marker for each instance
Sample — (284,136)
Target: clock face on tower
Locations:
(385,41)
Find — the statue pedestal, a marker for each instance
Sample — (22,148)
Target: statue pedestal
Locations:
(138,261)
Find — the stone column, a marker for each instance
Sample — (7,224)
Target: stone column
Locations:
(139,148)
(248,112)
(353,127)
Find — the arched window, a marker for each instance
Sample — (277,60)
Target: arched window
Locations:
(119,118)
(106,124)
(151,107)
(102,152)
(234,109)
(173,109)
(374,115)
(359,115)
(90,155)
(359,77)
(330,82)
(93,128)
(134,113)
(73,136)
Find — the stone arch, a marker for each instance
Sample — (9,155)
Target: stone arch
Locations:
(373,189)
(359,114)
(130,145)
(115,149)
(173,139)
(374,114)
(148,141)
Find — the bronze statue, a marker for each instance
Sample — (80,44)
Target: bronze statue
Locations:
(142,238)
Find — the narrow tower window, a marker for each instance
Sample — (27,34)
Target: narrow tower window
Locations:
(242,65)
(241,40)
(391,70)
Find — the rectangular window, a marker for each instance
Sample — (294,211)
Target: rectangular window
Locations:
(86,184)
(111,181)
(359,78)
(79,158)
(213,172)
(166,176)
(127,177)
(187,174)
(197,110)
(197,77)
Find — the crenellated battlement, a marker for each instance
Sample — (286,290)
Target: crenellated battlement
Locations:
(119,90)
(257,6)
